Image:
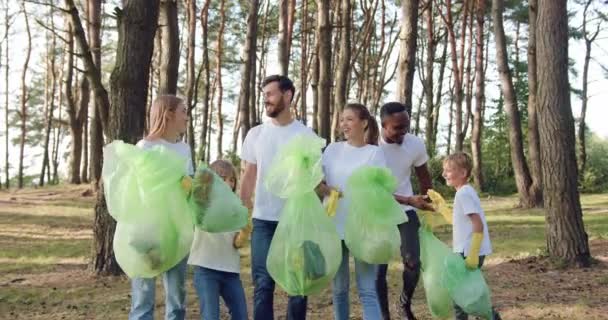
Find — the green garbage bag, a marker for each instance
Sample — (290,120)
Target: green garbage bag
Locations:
(215,207)
(137,182)
(143,193)
(305,252)
(433,253)
(371,232)
(467,288)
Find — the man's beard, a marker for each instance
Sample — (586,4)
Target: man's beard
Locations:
(275,111)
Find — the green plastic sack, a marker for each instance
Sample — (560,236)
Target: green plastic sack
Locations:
(144,194)
(297,167)
(370,193)
(467,288)
(305,252)
(137,181)
(433,253)
(215,207)
(371,232)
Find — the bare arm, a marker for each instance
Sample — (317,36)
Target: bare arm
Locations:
(424,178)
(476,221)
(248,183)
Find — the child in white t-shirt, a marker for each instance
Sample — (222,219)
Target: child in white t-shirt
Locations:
(470,236)
(216,262)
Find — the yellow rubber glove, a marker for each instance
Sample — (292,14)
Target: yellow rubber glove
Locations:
(332,202)
(243,236)
(472,260)
(440,205)
(186,184)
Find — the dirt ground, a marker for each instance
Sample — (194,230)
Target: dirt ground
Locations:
(45,239)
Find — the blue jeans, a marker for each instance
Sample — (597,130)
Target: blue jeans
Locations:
(211,284)
(143,295)
(366,286)
(263,284)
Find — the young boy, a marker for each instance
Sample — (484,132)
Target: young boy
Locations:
(470,236)
(216,262)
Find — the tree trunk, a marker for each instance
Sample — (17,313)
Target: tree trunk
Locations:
(479,95)
(315,88)
(24,97)
(218,77)
(190,76)
(137,23)
(565,231)
(7,181)
(84,106)
(589,39)
(304,64)
(343,73)
(407,51)
(324,89)
(207,78)
(248,67)
(520,166)
(439,93)
(96,131)
(536,192)
(169,51)
(49,97)
(283,35)
(428,87)
(74,113)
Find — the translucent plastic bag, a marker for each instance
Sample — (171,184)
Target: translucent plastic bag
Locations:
(467,288)
(433,253)
(371,232)
(305,252)
(215,207)
(137,182)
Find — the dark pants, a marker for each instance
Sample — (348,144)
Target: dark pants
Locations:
(410,254)
(263,284)
(459,314)
(212,284)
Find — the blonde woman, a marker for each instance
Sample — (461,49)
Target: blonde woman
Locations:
(168,122)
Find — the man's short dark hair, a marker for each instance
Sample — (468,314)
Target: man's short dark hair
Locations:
(285,84)
(391,108)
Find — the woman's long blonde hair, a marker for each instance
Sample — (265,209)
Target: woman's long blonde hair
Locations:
(159,114)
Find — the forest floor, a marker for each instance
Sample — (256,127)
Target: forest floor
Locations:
(46,238)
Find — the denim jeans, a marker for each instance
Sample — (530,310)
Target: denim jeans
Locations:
(410,255)
(263,284)
(211,284)
(366,286)
(143,294)
(459,314)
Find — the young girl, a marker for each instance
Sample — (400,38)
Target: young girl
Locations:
(168,122)
(340,160)
(215,258)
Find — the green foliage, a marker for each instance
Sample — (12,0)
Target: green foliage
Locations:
(595,177)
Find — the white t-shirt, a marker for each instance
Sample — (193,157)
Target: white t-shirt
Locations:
(340,159)
(401,159)
(260,147)
(215,251)
(467,202)
(181,148)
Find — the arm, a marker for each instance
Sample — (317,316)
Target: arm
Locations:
(242,236)
(323,190)
(248,183)
(472,260)
(415,201)
(424,178)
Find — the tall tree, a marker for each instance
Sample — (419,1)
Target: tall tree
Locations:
(324,85)
(83,102)
(536,193)
(480,10)
(343,74)
(428,86)
(206,80)
(23,115)
(523,179)
(589,37)
(137,21)
(96,133)
(304,66)
(50,85)
(248,67)
(565,231)
(169,50)
(7,182)
(284,35)
(218,77)
(407,51)
(191,82)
